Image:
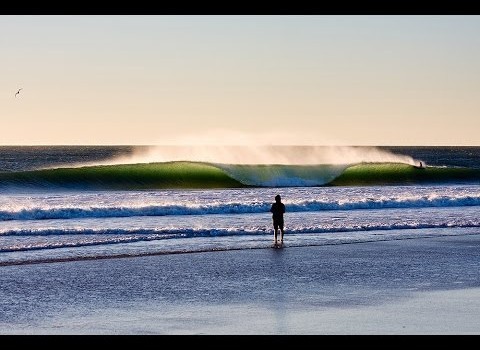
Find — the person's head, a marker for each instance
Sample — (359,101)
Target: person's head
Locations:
(278,198)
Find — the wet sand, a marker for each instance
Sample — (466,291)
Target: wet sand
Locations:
(411,286)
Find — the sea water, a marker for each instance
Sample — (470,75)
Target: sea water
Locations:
(68,203)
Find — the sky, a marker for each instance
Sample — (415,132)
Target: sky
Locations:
(240,79)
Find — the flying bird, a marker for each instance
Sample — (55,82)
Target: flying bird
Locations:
(18,92)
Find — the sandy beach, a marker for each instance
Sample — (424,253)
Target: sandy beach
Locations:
(411,286)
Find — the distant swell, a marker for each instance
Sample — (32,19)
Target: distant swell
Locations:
(173,175)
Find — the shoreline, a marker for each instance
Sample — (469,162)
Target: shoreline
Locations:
(291,242)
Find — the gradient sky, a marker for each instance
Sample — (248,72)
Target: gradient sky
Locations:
(317,80)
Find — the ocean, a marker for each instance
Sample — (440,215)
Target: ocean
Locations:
(64,203)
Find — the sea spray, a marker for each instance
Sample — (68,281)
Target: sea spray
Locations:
(255,155)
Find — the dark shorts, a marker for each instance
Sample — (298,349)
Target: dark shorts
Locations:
(278,224)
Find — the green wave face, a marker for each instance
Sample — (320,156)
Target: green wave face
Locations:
(191,175)
(128,176)
(393,173)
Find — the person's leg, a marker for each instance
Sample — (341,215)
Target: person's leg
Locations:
(281,232)
(275,231)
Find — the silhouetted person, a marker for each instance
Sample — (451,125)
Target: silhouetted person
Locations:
(421,165)
(278,209)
